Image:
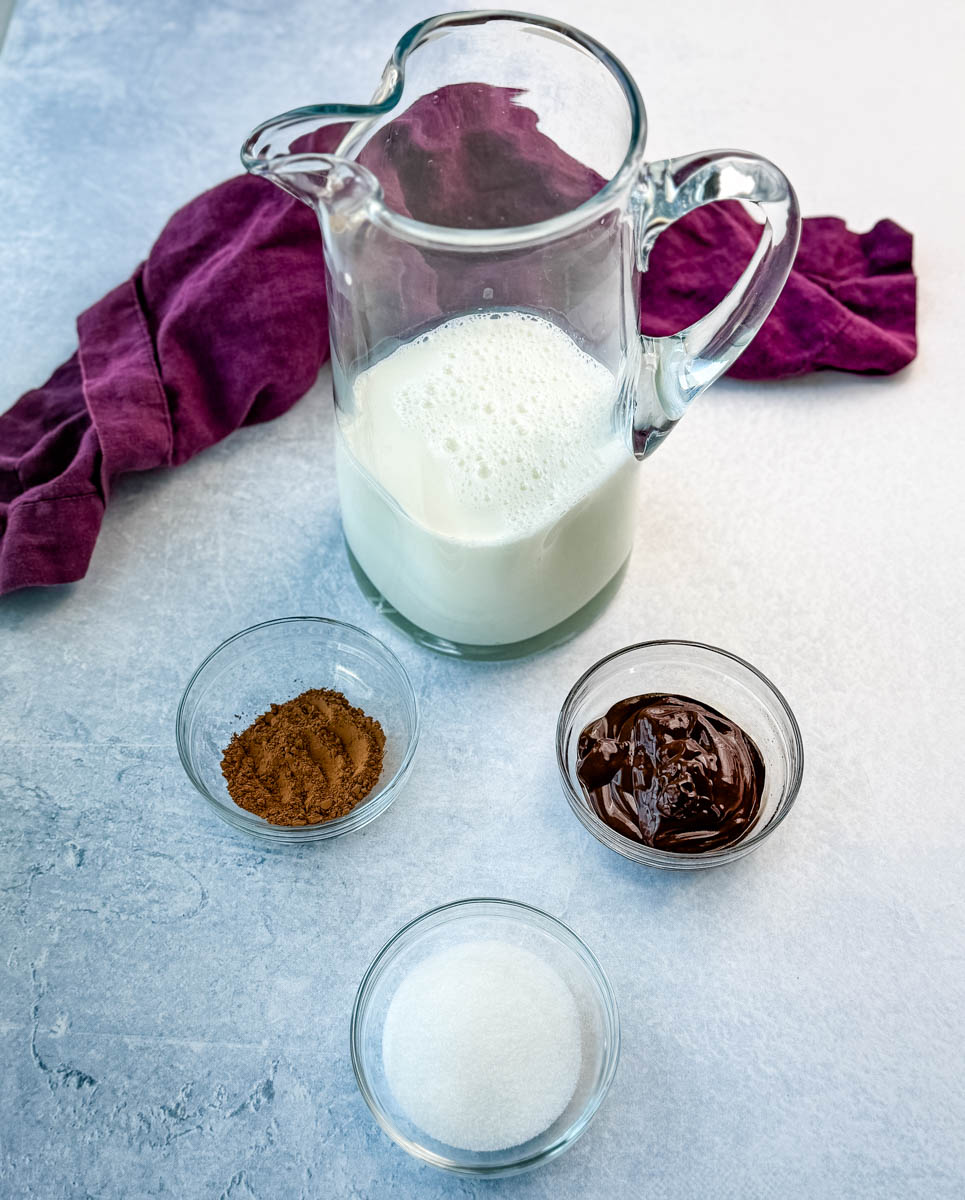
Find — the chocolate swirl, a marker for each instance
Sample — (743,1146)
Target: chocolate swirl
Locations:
(671,773)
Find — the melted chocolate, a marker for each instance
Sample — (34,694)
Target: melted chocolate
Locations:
(671,773)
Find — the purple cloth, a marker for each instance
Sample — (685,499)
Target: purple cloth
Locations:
(226,323)
(848,304)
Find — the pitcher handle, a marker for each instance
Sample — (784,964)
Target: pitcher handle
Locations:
(677,368)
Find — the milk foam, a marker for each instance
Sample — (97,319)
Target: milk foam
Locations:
(494,434)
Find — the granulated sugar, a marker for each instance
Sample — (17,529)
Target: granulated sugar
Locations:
(481,1045)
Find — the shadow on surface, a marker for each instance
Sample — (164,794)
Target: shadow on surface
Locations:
(824,386)
(6,11)
(21,606)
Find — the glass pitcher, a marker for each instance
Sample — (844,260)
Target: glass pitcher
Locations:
(486,220)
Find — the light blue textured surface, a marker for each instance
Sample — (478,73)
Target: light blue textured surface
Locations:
(174,999)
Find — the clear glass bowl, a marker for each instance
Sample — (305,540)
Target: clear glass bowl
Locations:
(274,662)
(703,673)
(520,925)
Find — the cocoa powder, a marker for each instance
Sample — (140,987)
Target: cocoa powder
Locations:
(309,760)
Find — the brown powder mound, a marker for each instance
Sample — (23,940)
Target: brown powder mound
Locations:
(306,761)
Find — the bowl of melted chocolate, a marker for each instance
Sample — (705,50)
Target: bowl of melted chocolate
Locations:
(677,754)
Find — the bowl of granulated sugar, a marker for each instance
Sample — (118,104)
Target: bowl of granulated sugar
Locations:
(485,1036)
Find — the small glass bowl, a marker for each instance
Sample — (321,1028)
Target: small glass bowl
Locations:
(274,662)
(714,677)
(530,929)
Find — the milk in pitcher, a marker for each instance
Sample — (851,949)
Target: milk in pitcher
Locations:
(485,490)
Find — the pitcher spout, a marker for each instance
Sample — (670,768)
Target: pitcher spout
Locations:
(298,152)
(335,186)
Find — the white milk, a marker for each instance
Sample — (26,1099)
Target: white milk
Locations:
(484,489)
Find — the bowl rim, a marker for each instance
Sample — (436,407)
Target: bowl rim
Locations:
(647,855)
(565,935)
(364,812)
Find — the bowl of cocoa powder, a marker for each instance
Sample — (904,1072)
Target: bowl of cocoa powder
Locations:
(299,729)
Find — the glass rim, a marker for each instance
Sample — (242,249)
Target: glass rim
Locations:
(365,811)
(649,855)
(566,936)
(454,238)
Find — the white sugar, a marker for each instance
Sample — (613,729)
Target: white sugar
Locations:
(481,1045)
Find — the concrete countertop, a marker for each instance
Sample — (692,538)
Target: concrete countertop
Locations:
(174,998)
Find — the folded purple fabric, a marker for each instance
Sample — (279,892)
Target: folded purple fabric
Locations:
(226,324)
(848,304)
